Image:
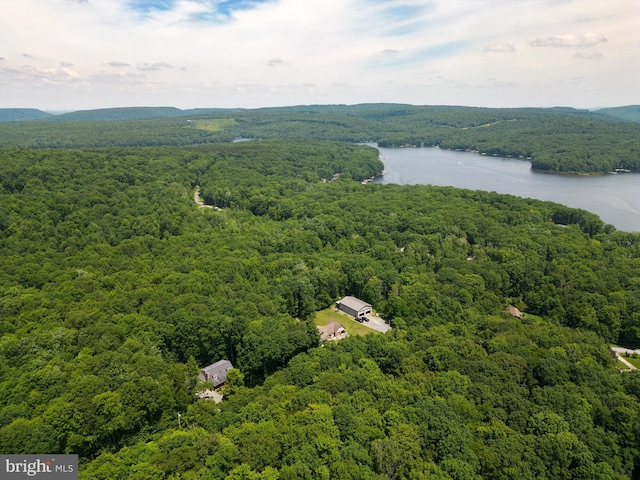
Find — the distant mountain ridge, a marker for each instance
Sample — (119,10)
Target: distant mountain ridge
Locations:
(100,115)
(121,113)
(630,113)
(22,114)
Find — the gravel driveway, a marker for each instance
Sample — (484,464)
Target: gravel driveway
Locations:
(376,323)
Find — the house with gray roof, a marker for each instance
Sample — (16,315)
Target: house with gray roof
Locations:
(216,373)
(354,306)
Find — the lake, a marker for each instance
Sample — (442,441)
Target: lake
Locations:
(614,198)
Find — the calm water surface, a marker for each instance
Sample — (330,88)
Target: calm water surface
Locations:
(615,198)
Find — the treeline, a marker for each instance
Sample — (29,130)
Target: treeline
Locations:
(115,287)
(117,133)
(556,140)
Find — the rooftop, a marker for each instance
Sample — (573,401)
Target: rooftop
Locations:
(354,303)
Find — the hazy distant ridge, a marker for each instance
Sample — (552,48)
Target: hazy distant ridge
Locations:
(124,113)
(630,113)
(99,115)
(21,114)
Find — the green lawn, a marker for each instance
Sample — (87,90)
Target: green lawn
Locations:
(353,327)
(621,365)
(633,361)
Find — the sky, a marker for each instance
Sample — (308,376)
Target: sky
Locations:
(85,54)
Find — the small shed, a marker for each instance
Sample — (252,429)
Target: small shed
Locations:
(354,306)
(216,373)
(514,312)
(332,331)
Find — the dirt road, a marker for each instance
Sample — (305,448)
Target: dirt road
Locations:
(200,202)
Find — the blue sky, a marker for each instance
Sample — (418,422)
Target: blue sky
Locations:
(210,11)
(78,54)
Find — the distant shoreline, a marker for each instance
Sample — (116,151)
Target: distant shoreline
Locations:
(511,157)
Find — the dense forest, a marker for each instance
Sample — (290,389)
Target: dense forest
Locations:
(556,140)
(116,287)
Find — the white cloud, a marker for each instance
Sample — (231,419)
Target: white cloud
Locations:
(154,66)
(499,48)
(38,76)
(588,55)
(334,51)
(584,40)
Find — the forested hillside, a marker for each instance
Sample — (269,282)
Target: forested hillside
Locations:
(21,114)
(555,140)
(630,112)
(115,287)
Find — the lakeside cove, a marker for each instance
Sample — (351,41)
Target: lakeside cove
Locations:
(612,197)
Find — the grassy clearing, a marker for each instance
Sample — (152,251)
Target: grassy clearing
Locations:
(353,327)
(633,361)
(621,365)
(214,125)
